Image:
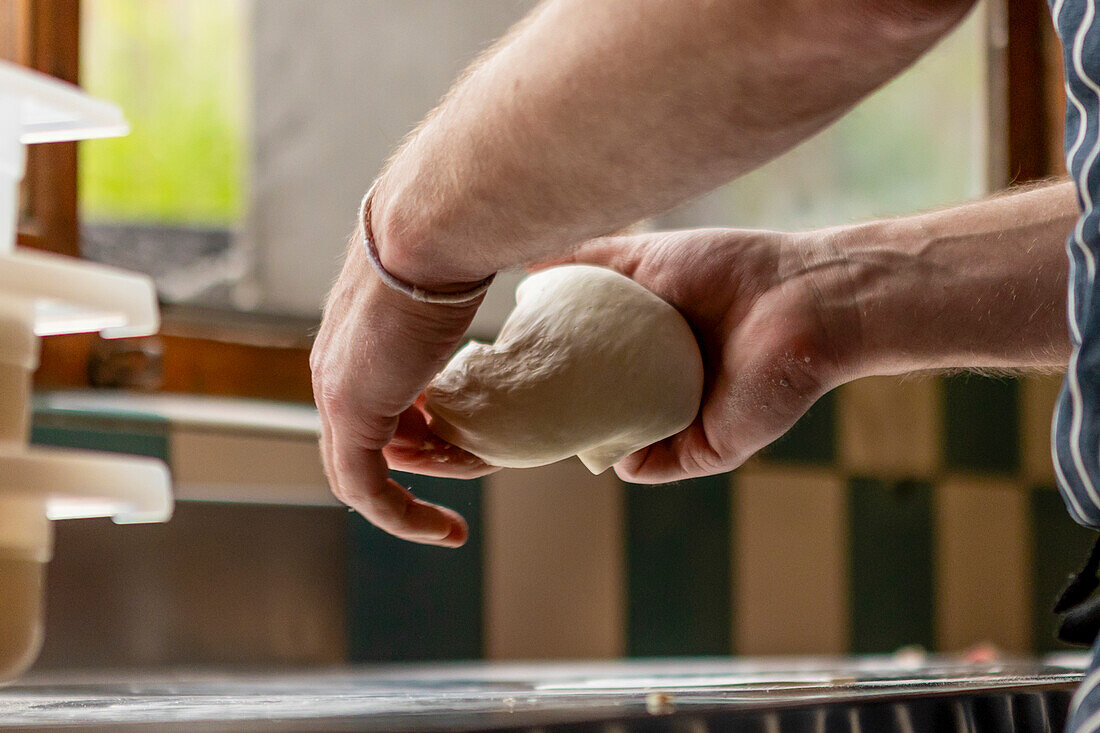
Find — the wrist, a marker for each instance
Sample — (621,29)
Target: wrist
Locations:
(437,294)
(870,292)
(408,240)
(870,289)
(814,267)
(895,290)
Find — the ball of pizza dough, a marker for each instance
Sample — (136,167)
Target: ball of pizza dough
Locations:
(589,363)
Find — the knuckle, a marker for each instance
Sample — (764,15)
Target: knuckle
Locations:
(318,355)
(344,465)
(325,397)
(333,395)
(703,462)
(382,511)
(333,484)
(321,381)
(370,431)
(338,493)
(700,452)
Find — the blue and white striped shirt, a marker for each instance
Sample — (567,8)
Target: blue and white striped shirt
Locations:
(1075,444)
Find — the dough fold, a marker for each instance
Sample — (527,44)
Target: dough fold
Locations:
(589,363)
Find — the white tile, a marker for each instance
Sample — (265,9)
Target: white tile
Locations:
(790,556)
(554,567)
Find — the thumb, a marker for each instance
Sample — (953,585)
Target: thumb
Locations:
(617,253)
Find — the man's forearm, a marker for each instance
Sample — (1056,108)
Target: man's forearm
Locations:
(592,115)
(980,285)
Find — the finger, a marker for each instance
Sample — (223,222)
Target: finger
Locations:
(438,463)
(413,431)
(416,449)
(688,454)
(326,451)
(363,482)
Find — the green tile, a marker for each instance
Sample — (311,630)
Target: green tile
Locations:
(678,568)
(812,439)
(144,435)
(1059,549)
(891,565)
(981,423)
(409,602)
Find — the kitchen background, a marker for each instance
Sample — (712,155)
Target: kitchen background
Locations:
(899,512)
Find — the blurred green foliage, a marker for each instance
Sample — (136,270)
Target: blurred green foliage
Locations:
(177,69)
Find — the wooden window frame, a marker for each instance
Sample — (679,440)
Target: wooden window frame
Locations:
(45,35)
(197,351)
(256,356)
(1032,92)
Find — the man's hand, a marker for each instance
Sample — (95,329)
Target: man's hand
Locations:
(771,346)
(585,118)
(375,352)
(783,318)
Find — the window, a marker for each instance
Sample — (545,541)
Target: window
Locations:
(169,198)
(240,181)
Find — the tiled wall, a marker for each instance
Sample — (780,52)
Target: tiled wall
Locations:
(917,511)
(898,512)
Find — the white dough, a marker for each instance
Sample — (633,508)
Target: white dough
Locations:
(589,363)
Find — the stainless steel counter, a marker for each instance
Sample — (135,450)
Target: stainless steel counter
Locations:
(907,694)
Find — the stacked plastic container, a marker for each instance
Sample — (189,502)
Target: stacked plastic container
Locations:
(43,295)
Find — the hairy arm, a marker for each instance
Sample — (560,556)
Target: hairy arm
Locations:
(783,318)
(592,115)
(977,286)
(588,116)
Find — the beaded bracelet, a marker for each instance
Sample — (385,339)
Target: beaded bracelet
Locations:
(415,292)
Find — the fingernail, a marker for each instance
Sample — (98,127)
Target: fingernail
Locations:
(455,535)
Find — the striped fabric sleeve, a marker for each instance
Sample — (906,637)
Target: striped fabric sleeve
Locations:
(1084,708)
(1075,439)
(1075,443)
